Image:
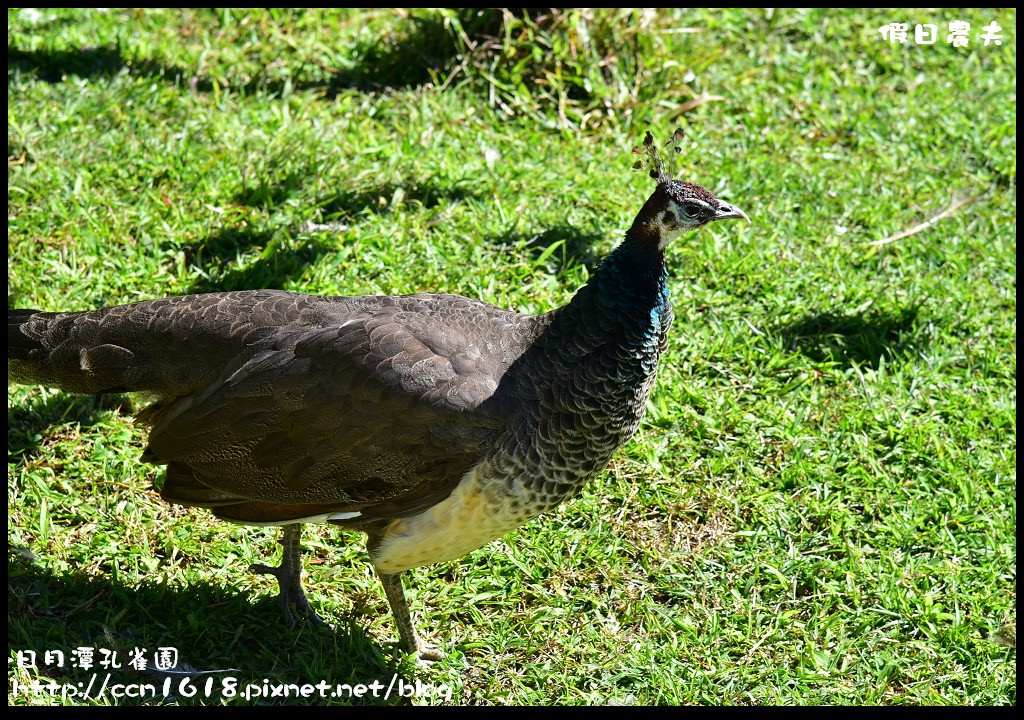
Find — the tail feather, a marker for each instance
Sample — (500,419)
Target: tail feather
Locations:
(63,350)
(19,345)
(171,347)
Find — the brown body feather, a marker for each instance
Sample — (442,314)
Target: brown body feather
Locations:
(288,406)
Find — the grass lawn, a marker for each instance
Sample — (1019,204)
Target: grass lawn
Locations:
(820,506)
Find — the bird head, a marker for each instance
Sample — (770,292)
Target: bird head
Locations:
(677,206)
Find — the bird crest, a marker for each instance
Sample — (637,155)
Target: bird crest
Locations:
(653,160)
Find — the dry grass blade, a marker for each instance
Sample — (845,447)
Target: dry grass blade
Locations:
(927,223)
(696,103)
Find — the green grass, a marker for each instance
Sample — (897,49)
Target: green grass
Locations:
(820,506)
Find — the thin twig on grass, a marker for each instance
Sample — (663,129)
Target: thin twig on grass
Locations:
(694,103)
(927,223)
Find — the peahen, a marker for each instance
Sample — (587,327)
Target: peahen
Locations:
(434,423)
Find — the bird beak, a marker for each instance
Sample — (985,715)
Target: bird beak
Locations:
(727,211)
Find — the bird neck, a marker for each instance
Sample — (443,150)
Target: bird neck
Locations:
(626,301)
(632,279)
(592,369)
(635,273)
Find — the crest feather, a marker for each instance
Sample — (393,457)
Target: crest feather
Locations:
(654,161)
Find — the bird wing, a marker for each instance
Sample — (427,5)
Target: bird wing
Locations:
(378,408)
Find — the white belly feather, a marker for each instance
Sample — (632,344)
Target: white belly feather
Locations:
(467,520)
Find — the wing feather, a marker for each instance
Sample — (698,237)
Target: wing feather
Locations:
(370,405)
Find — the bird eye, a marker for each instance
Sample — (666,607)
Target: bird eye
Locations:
(691,211)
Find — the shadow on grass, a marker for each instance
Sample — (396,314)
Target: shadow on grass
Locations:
(564,245)
(396,66)
(28,421)
(222,260)
(426,50)
(270,193)
(386,197)
(53,65)
(218,633)
(847,339)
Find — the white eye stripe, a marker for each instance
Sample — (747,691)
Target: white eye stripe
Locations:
(691,209)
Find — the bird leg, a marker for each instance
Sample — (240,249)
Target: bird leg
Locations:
(411,642)
(289,577)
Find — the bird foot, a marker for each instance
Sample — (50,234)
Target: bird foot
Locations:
(291,593)
(426,654)
(289,579)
